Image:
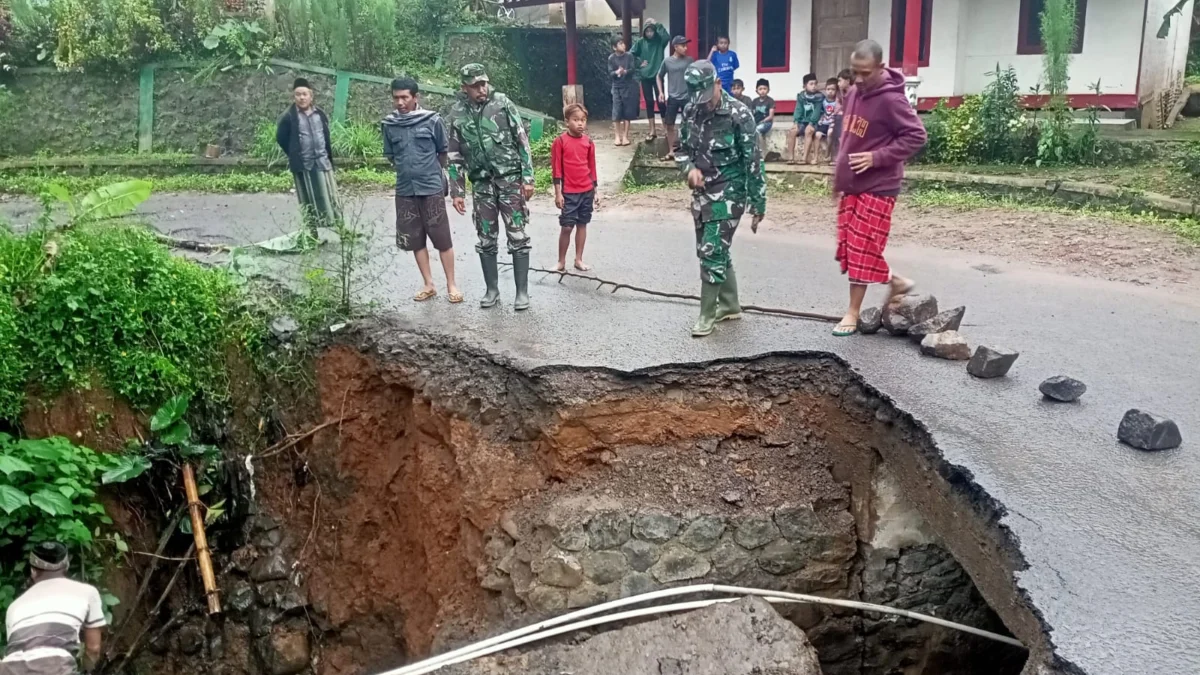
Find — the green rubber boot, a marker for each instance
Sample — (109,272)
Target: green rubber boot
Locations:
(521,276)
(491,277)
(728,307)
(708,309)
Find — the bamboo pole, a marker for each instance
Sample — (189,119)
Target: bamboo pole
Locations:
(202,555)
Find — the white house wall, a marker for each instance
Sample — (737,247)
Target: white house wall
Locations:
(1112,42)
(968,39)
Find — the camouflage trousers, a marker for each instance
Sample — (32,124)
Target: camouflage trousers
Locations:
(496,200)
(713,239)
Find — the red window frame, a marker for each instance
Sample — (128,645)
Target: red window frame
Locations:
(787,40)
(1024,40)
(898,8)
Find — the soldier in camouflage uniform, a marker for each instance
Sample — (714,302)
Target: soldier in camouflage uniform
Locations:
(489,146)
(718,152)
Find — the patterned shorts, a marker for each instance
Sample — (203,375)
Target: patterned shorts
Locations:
(864,222)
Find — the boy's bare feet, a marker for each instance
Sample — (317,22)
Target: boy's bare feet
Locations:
(582,266)
(561,266)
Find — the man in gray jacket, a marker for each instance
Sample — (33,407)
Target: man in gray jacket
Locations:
(415,141)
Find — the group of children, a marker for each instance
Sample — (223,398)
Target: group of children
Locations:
(817,118)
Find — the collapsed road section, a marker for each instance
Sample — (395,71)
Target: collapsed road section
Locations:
(460,496)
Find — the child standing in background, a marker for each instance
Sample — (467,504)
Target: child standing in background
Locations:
(810,105)
(831,109)
(725,61)
(573,166)
(621,68)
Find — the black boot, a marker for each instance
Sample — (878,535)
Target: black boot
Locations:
(521,276)
(491,277)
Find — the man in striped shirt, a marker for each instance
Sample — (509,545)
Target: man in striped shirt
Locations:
(45,623)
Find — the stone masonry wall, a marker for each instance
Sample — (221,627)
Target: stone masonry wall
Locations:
(593,556)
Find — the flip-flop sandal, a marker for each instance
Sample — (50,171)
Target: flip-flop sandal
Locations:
(455,298)
(845,330)
(424,295)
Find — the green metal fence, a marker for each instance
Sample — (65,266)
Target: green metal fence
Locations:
(145,123)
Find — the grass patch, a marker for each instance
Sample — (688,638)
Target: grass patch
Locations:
(1162,178)
(933,197)
(33,183)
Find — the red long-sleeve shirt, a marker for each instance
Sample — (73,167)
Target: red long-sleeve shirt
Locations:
(573,162)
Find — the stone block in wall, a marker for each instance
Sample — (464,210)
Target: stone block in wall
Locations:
(558,569)
(608,529)
(605,567)
(586,595)
(655,526)
(636,584)
(729,560)
(703,533)
(755,532)
(640,555)
(547,599)
(679,563)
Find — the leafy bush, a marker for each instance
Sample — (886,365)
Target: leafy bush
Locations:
(109,300)
(240,43)
(48,491)
(93,33)
(356,141)
(373,36)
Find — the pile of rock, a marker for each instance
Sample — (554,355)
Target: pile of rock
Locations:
(917,317)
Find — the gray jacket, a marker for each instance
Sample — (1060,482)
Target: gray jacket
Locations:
(414,143)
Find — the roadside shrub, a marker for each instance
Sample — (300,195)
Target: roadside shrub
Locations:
(110,301)
(49,492)
(97,33)
(1001,119)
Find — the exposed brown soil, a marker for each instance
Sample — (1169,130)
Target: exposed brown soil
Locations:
(389,509)
(94,417)
(1080,244)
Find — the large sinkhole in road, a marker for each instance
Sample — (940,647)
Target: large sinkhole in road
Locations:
(463,496)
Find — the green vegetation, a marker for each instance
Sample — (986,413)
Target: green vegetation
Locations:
(48,491)
(1187,228)
(377,36)
(356,141)
(34,183)
(102,300)
(994,128)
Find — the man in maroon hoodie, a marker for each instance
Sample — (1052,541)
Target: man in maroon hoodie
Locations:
(880,132)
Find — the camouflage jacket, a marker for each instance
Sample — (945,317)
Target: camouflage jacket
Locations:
(723,144)
(487,142)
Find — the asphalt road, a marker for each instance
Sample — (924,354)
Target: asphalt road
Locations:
(1111,534)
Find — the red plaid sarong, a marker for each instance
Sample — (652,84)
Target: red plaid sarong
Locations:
(864,222)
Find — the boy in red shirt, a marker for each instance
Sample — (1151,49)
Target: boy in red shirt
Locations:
(573,162)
